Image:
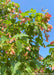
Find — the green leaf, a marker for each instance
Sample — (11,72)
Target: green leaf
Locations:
(20,35)
(33,11)
(49,45)
(19,46)
(39,14)
(2,70)
(32,15)
(52,63)
(3,39)
(7,21)
(39,41)
(18,5)
(16,68)
(45,26)
(28,69)
(28,41)
(51,49)
(24,14)
(1,33)
(38,64)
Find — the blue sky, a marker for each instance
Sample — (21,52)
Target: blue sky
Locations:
(38,4)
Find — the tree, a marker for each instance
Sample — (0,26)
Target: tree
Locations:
(21,35)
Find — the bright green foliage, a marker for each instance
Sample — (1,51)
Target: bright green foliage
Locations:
(21,35)
(49,60)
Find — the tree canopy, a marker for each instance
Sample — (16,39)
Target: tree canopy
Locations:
(21,35)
